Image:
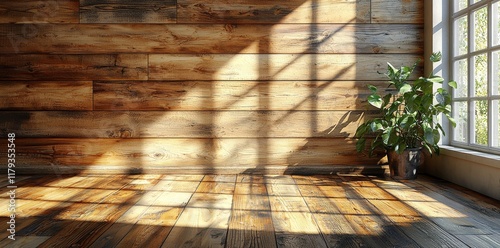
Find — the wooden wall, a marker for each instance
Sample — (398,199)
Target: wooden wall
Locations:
(190,86)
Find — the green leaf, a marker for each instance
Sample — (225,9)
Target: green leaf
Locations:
(375,100)
(387,135)
(453,84)
(440,99)
(387,99)
(436,57)
(360,144)
(376,126)
(437,136)
(372,88)
(452,120)
(400,147)
(404,89)
(406,121)
(435,79)
(361,130)
(429,135)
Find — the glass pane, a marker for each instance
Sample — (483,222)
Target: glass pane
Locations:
(480,122)
(496,126)
(461,77)
(460,115)
(460,5)
(461,35)
(480,29)
(496,73)
(475,1)
(496,23)
(481,75)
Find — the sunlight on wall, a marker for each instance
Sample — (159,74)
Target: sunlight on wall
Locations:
(259,77)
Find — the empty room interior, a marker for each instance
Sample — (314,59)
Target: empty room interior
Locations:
(285,123)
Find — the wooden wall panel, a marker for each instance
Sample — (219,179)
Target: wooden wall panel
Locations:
(218,38)
(127,11)
(397,11)
(36,11)
(185,155)
(273,66)
(74,67)
(124,86)
(45,95)
(232,95)
(281,11)
(194,124)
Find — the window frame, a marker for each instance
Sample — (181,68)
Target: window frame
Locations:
(492,100)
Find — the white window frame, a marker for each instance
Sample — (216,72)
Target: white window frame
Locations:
(451,16)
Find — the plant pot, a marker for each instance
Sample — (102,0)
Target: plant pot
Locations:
(405,165)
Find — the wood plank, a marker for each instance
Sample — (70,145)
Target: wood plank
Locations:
(274,66)
(119,229)
(442,212)
(232,95)
(296,11)
(335,228)
(92,222)
(375,229)
(45,95)
(186,155)
(74,67)
(490,240)
(408,220)
(213,38)
(464,196)
(34,11)
(119,11)
(25,241)
(251,222)
(397,11)
(55,218)
(149,220)
(344,208)
(152,228)
(192,124)
(487,221)
(204,222)
(294,225)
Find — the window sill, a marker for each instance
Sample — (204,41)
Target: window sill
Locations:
(472,156)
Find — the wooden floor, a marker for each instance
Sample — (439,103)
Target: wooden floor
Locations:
(246,211)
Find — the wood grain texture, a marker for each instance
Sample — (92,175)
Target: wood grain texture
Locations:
(412,223)
(45,95)
(232,95)
(192,124)
(397,11)
(335,228)
(74,67)
(34,11)
(438,208)
(186,155)
(152,228)
(123,86)
(212,38)
(205,220)
(118,230)
(293,223)
(321,209)
(128,11)
(251,223)
(294,11)
(274,66)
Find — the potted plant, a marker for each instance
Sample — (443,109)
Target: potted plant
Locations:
(408,122)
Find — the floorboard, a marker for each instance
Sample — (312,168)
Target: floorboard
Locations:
(151,210)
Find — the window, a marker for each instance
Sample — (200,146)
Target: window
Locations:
(475,59)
